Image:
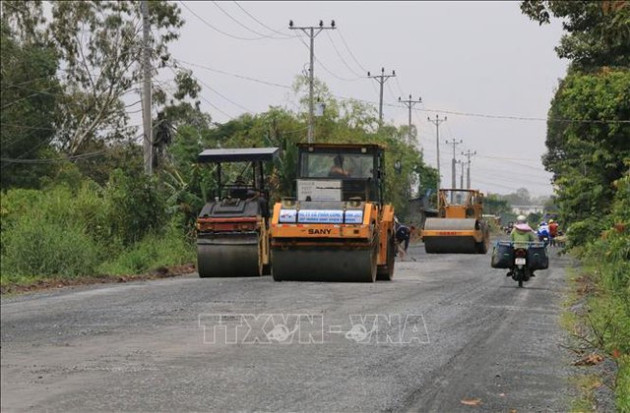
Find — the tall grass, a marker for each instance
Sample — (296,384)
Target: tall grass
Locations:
(86,229)
(608,258)
(154,251)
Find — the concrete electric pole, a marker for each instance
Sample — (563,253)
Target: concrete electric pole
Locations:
(146,89)
(381,79)
(437,122)
(468,155)
(312,32)
(454,162)
(409,103)
(461,176)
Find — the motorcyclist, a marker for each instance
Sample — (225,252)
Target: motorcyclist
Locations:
(543,232)
(522,234)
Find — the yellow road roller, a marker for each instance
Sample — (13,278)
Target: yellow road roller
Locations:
(337,227)
(232,228)
(459,227)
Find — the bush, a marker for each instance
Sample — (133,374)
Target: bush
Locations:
(33,247)
(135,205)
(154,251)
(70,230)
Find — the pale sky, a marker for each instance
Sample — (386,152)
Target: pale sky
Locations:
(481,58)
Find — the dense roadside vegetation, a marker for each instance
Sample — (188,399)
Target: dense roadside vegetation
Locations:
(588,141)
(75,201)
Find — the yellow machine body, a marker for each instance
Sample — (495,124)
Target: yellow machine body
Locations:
(337,228)
(459,227)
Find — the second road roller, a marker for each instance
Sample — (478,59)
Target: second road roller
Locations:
(459,227)
(337,227)
(232,228)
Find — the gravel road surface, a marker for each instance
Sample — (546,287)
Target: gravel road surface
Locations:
(449,334)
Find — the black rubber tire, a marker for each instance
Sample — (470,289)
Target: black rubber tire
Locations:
(386,272)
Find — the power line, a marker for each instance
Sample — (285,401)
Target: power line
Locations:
(523,118)
(264,82)
(341,57)
(399,88)
(217,92)
(350,52)
(330,72)
(217,29)
(43,161)
(261,23)
(243,25)
(519,118)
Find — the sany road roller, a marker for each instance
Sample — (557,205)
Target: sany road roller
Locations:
(232,229)
(459,227)
(337,227)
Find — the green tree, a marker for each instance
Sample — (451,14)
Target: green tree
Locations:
(28,91)
(100,43)
(587,155)
(598,32)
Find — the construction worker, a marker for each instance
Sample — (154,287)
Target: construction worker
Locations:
(403,234)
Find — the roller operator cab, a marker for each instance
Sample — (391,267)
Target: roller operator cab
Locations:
(337,227)
(232,228)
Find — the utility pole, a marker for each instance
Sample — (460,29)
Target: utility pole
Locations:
(461,177)
(437,122)
(468,155)
(409,103)
(312,32)
(381,79)
(146,92)
(454,161)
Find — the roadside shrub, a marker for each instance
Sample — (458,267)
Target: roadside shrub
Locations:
(136,207)
(35,247)
(154,251)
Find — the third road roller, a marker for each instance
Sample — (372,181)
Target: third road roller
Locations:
(459,227)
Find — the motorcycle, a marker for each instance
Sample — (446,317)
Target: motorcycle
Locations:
(520,258)
(520,271)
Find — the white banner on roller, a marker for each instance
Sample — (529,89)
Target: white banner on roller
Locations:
(354,216)
(320,216)
(287,215)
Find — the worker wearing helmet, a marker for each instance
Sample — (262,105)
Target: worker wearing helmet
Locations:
(522,232)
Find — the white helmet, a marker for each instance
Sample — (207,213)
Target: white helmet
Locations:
(521,219)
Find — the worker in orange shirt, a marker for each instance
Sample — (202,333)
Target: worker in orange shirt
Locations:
(553,230)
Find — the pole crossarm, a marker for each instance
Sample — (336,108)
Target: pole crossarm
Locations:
(410,103)
(381,79)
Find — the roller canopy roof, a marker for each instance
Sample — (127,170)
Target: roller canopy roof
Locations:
(238,155)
